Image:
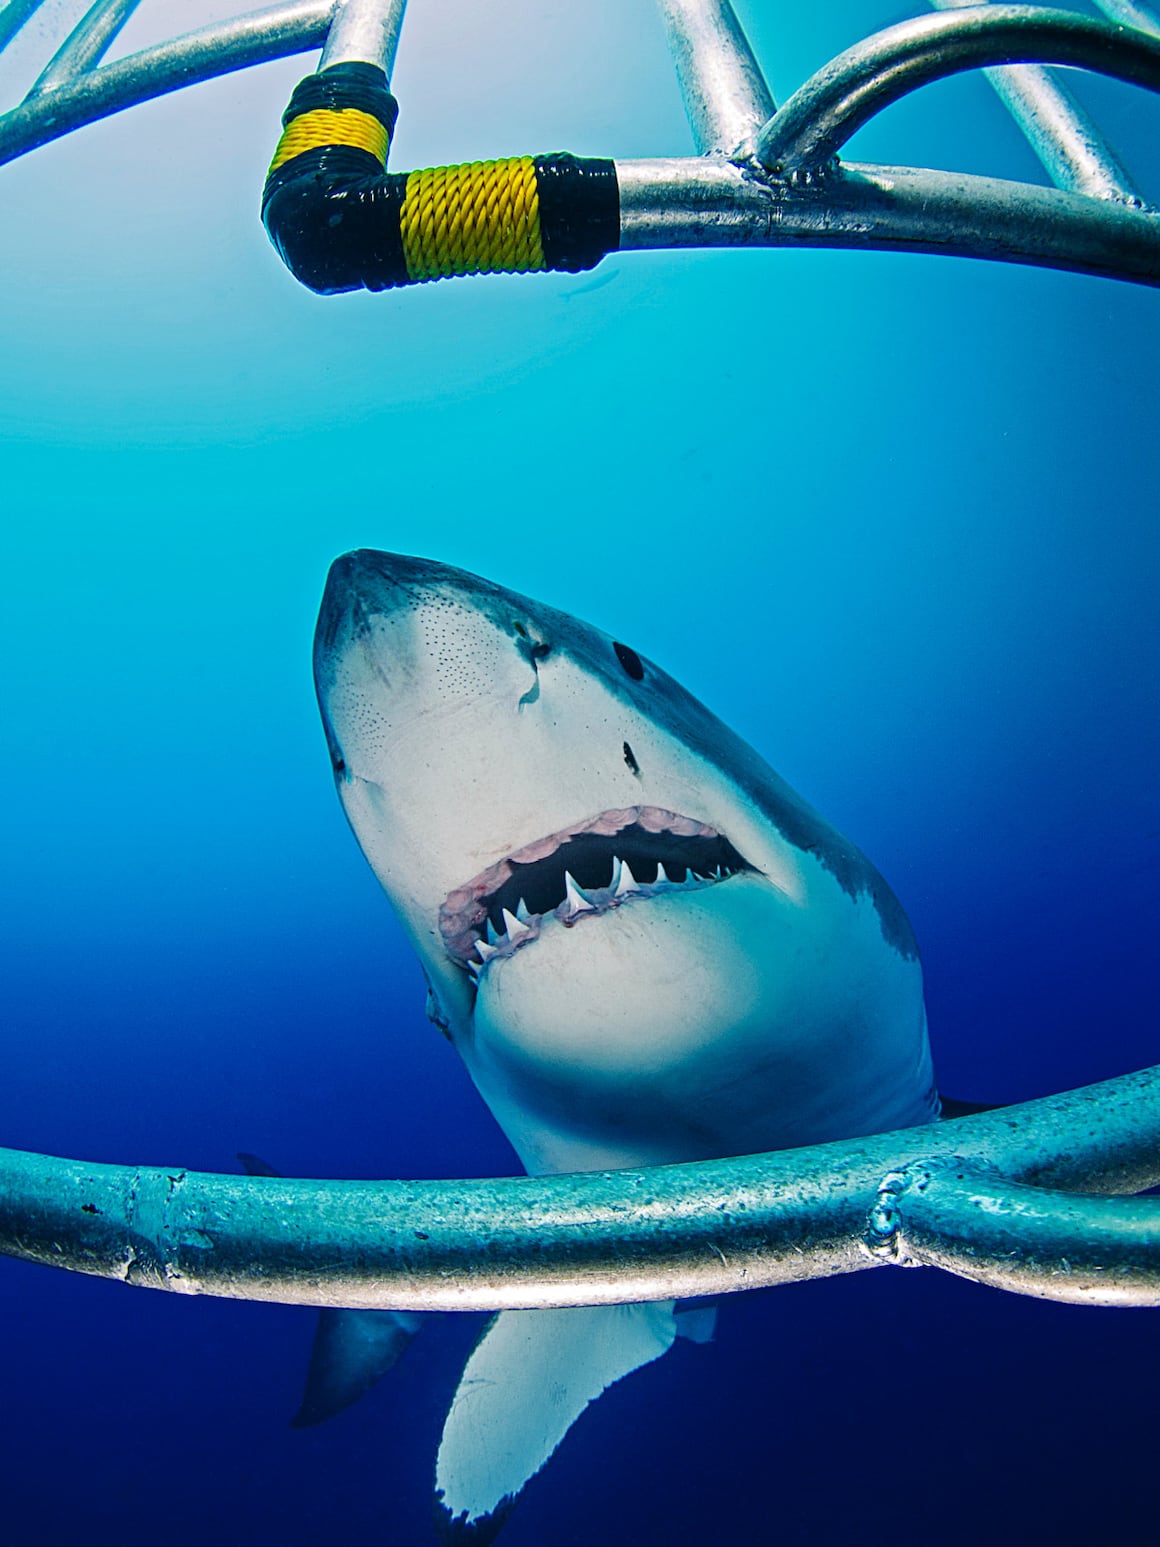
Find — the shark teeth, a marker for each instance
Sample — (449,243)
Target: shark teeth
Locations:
(575,901)
(581,872)
(519,927)
(623,881)
(523,926)
(516,928)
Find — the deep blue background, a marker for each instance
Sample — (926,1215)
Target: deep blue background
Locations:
(894,518)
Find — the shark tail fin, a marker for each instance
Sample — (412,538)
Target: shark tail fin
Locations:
(530,1377)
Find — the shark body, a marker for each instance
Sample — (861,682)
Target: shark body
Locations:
(644,945)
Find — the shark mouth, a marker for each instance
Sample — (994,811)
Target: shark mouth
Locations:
(581,872)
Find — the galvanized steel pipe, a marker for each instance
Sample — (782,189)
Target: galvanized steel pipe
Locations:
(1131,13)
(152,72)
(364,32)
(1073,152)
(1033,1241)
(722,85)
(590,1239)
(13,16)
(810,129)
(694,202)
(87,44)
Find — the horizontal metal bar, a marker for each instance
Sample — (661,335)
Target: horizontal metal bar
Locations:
(152,72)
(814,124)
(724,91)
(364,31)
(13,17)
(590,1239)
(1030,1240)
(697,202)
(689,202)
(1073,152)
(87,44)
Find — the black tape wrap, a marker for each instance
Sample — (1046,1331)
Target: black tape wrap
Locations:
(331,212)
(335,214)
(579,211)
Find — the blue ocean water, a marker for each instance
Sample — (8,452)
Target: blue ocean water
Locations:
(893,518)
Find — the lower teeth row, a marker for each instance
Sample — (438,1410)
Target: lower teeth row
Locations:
(523,926)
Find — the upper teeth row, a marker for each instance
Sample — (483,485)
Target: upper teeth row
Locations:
(522,925)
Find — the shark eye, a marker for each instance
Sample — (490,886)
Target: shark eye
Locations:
(629,660)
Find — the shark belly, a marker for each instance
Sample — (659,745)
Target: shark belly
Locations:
(663,1034)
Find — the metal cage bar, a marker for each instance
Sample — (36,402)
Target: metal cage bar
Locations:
(791,194)
(1131,14)
(13,17)
(364,32)
(992,1196)
(722,85)
(87,44)
(714,1227)
(821,116)
(188,60)
(1073,152)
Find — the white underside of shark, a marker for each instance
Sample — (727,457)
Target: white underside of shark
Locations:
(645,947)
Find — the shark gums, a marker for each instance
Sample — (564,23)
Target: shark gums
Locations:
(644,946)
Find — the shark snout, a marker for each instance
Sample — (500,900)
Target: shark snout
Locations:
(403,643)
(359,585)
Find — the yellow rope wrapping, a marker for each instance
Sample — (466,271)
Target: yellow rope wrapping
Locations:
(331,126)
(482,217)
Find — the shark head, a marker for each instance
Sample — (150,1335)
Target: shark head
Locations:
(643,944)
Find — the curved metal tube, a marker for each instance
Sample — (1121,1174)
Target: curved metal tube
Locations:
(1072,150)
(152,72)
(692,202)
(1054,1245)
(810,129)
(589,1239)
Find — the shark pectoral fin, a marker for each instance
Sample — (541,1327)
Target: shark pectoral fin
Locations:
(530,1377)
(352,1350)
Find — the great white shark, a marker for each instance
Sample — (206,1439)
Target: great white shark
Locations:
(645,947)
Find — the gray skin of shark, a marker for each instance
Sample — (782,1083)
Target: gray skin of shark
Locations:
(483,744)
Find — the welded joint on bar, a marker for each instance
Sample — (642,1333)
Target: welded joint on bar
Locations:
(883,1238)
(885,1235)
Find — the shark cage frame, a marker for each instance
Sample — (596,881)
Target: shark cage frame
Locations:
(1022,1198)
